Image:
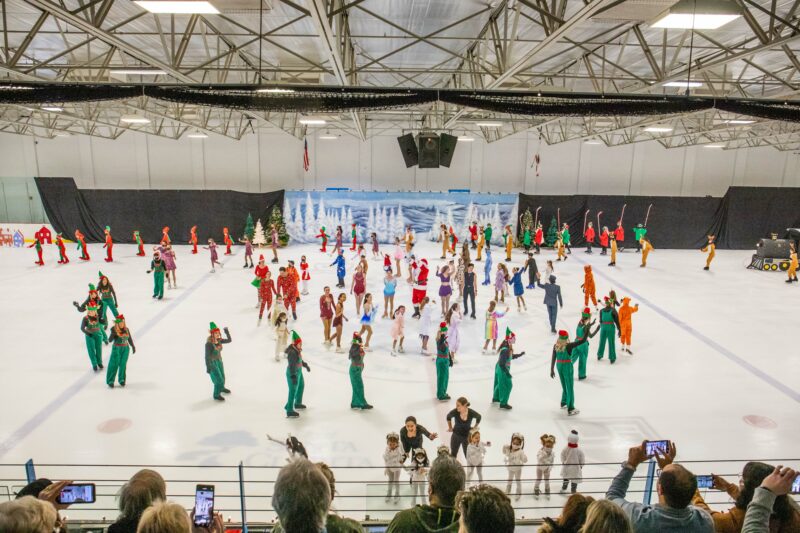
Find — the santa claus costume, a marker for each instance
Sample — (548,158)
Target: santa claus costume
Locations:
(420,287)
(165,235)
(62,250)
(81,240)
(305,277)
(108,245)
(589,236)
(193,239)
(228,241)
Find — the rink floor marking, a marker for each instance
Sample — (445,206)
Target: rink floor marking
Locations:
(70,392)
(714,345)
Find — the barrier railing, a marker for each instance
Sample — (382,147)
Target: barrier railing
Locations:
(243,493)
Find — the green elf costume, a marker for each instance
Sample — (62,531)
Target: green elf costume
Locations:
(91,326)
(609,324)
(93,298)
(565,238)
(526,238)
(122,344)
(444,361)
(563,359)
(502,370)
(158,268)
(638,232)
(108,296)
(487,236)
(214,366)
(294,376)
(358,400)
(139,244)
(583,331)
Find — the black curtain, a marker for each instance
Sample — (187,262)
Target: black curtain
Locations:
(90,210)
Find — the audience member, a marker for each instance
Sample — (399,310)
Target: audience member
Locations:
(445,479)
(674,511)
(572,516)
(776,485)
(140,492)
(785,516)
(301,497)
(34,488)
(485,508)
(164,517)
(28,515)
(604,516)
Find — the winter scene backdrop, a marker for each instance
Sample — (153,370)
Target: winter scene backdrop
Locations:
(388,213)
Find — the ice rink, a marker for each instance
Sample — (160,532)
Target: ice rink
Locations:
(715,368)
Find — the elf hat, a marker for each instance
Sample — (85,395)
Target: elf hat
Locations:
(442,326)
(212,328)
(356,338)
(586,312)
(296,338)
(424,261)
(101,275)
(606,300)
(119,319)
(108,228)
(92,288)
(353,225)
(136,232)
(562,334)
(261,257)
(573,437)
(510,334)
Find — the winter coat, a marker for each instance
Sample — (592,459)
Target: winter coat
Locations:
(425,519)
(393,459)
(545,458)
(475,453)
(514,458)
(572,461)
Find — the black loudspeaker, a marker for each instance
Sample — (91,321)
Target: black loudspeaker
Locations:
(773,248)
(447,146)
(409,149)
(428,150)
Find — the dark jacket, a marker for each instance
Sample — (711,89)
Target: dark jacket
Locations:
(425,519)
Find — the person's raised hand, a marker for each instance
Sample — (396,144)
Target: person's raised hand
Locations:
(434,435)
(52,492)
(637,455)
(668,457)
(779,482)
(719,483)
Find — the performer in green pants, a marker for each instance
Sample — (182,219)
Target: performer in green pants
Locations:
(502,371)
(609,324)
(108,296)
(358,400)
(94,299)
(91,326)
(563,358)
(122,344)
(294,376)
(583,330)
(158,268)
(214,366)
(443,363)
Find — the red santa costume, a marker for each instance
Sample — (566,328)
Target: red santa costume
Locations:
(420,287)
(304,275)
(228,241)
(619,234)
(193,239)
(165,235)
(473,235)
(108,245)
(589,236)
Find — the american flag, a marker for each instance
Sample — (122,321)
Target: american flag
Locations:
(306,162)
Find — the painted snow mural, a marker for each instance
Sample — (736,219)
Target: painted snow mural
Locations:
(388,213)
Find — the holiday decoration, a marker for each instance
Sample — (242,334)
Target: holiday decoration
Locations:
(276,217)
(259,237)
(249,229)
(552,231)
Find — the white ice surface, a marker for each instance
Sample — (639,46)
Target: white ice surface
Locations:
(711,348)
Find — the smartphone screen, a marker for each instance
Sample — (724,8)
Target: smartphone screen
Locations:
(203,505)
(796,485)
(653,446)
(77,493)
(705,482)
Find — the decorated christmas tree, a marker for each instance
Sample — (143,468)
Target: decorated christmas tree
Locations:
(527,222)
(249,229)
(276,217)
(259,237)
(552,231)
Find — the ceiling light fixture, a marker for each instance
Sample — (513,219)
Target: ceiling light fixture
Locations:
(658,129)
(740,121)
(713,146)
(698,15)
(683,84)
(592,141)
(52,108)
(489,124)
(465,138)
(275,90)
(136,72)
(197,135)
(134,119)
(199,7)
(63,134)
(312,121)
(328,136)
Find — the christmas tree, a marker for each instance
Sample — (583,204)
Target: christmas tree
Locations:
(249,229)
(259,237)
(527,222)
(276,217)
(552,231)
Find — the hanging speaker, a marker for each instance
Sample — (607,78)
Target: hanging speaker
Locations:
(409,149)
(447,146)
(428,144)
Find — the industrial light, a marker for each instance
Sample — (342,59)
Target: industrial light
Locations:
(328,136)
(713,146)
(489,124)
(312,121)
(54,109)
(62,134)
(466,138)
(740,121)
(197,135)
(658,129)
(275,90)
(137,72)
(200,7)
(698,15)
(592,141)
(683,84)
(134,119)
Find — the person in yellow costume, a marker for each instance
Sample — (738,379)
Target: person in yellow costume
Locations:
(625,323)
(793,264)
(481,242)
(613,239)
(711,248)
(560,247)
(647,247)
(508,236)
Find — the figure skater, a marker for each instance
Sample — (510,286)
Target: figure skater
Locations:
(294,376)
(503,383)
(357,401)
(393,459)
(487,236)
(491,329)
(508,241)
(122,343)
(376,254)
(158,269)
(603,239)
(443,363)
(613,242)
(108,296)
(193,239)
(358,286)
(419,474)
(584,330)
(533,271)
(444,238)
(481,243)
(566,239)
(609,329)
(260,274)
(646,247)
(792,272)
(420,290)
(398,255)
(711,248)
(500,280)
(165,235)
(340,268)
(625,323)
(274,242)
(563,360)
(589,235)
(409,239)
(292,272)
(368,319)
(538,237)
(80,239)
(266,289)
(544,464)
(287,287)
(37,243)
(326,310)
(248,252)
(109,245)
(588,287)
(322,235)
(338,320)
(460,424)
(476,451)
(62,250)
(305,277)
(92,327)
(398,325)
(139,243)
(212,248)
(487,268)
(425,323)
(354,236)
(514,458)
(572,461)
(214,366)
(281,326)
(168,256)
(445,290)
(519,290)
(473,234)
(526,238)
(453,320)
(552,299)
(560,248)
(470,291)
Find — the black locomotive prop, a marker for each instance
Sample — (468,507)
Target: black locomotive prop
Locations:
(773,254)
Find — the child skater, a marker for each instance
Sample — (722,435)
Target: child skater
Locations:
(711,248)
(625,324)
(398,254)
(389,288)
(453,319)
(476,451)
(604,241)
(419,473)
(281,325)
(266,289)
(519,289)
(158,269)
(212,248)
(544,460)
(491,325)
(367,319)
(393,459)
(376,254)
(305,277)
(500,281)
(445,290)
(338,320)
(274,242)
(426,316)
(397,330)
(340,268)
(549,269)
(514,458)
(572,461)
(248,252)
(487,267)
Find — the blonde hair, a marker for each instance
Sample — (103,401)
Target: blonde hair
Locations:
(27,515)
(604,516)
(164,517)
(141,491)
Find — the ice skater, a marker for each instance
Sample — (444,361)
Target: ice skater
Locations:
(340,268)
(214,366)
(419,474)
(91,326)
(109,245)
(552,300)
(398,327)
(294,376)
(584,330)
(646,247)
(609,330)
(526,238)
(514,458)
(572,461)
(168,257)
(338,320)
(305,277)
(562,360)
(460,424)
(476,451)
(501,391)
(139,243)
(603,239)
(212,249)
(445,288)
(353,236)
(500,281)
(357,352)
(324,236)
(398,256)
(589,290)
(481,244)
(626,324)
(389,288)
(107,295)
(487,268)
(566,238)
(326,310)
(538,237)
(473,234)
(533,271)
(393,459)
(470,291)
(508,241)
(358,287)
(266,289)
(425,323)
(165,235)
(274,242)
(544,464)
(519,290)
(368,319)
(62,250)
(158,269)
(453,320)
(376,252)
(589,235)
(792,272)
(248,252)
(80,239)
(122,344)
(193,239)
(491,328)
(710,247)
(226,236)
(420,290)
(37,243)
(443,363)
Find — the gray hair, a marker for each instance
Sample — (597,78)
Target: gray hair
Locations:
(301,497)
(27,515)
(165,517)
(447,478)
(140,492)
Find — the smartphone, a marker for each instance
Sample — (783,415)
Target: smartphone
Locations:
(796,485)
(653,446)
(77,493)
(705,482)
(203,505)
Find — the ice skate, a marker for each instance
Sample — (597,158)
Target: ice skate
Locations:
(573,412)
(536,493)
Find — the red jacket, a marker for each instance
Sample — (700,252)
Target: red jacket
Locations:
(539,237)
(261,271)
(422,278)
(619,234)
(473,233)
(287,287)
(589,235)
(604,239)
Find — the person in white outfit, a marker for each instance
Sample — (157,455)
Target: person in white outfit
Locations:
(476,451)
(515,458)
(281,335)
(419,473)
(544,460)
(393,459)
(425,323)
(572,461)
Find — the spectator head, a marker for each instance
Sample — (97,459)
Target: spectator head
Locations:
(573,515)
(165,517)
(301,497)
(446,479)
(485,508)
(34,488)
(752,476)
(328,473)
(140,492)
(604,516)
(28,515)
(676,486)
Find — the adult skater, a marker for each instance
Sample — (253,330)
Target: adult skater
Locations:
(62,250)
(562,360)
(443,363)
(324,236)
(212,250)
(538,237)
(81,240)
(487,268)
(295,275)
(626,324)
(487,236)
(326,310)
(603,240)
(389,288)
(248,252)
(508,241)
(565,238)
(122,343)
(470,290)
(711,248)
(609,329)
(411,435)
(139,243)
(588,287)
(646,247)
(287,289)
(226,236)
(338,243)
(445,289)
(619,235)
(792,272)
(502,371)
(552,299)
(214,366)
(584,330)
(260,274)
(613,241)
(420,289)
(93,299)
(358,286)
(294,376)
(533,271)
(453,319)
(158,268)
(368,319)
(37,243)
(107,295)
(338,321)
(444,238)
(92,326)
(589,236)
(459,423)
(340,268)
(109,245)
(193,239)
(274,242)
(357,401)
(481,243)
(473,234)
